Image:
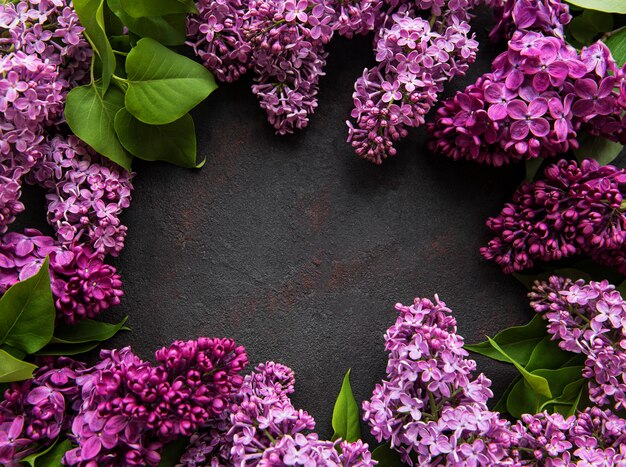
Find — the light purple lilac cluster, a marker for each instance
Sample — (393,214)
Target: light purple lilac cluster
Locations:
(282,41)
(539,95)
(264,429)
(415,58)
(575,209)
(432,410)
(33,413)
(130,408)
(430,407)
(588,318)
(44,54)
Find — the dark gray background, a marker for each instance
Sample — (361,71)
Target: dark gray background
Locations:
(299,250)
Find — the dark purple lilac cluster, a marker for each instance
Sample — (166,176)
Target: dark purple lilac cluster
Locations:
(430,407)
(589,319)
(539,95)
(44,54)
(264,429)
(82,284)
(35,412)
(282,41)
(548,16)
(575,209)
(130,408)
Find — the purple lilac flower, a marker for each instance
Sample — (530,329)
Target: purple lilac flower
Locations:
(130,408)
(575,209)
(537,98)
(33,413)
(547,16)
(430,407)
(415,60)
(264,429)
(82,285)
(589,319)
(592,437)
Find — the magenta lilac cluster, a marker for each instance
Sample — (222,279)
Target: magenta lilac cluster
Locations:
(415,58)
(589,318)
(547,16)
(539,96)
(575,209)
(282,42)
(264,429)
(44,55)
(130,408)
(35,412)
(430,407)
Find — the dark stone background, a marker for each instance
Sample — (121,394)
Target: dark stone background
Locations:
(299,250)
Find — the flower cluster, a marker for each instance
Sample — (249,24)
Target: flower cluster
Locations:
(263,428)
(44,54)
(35,412)
(589,319)
(534,103)
(282,41)
(547,16)
(575,209)
(430,407)
(415,59)
(129,408)
(592,437)
(82,285)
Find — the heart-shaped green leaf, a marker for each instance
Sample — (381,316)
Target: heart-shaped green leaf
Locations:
(174,142)
(27,312)
(51,457)
(168,29)
(548,355)
(163,85)
(12,369)
(87,330)
(139,8)
(518,342)
(91,15)
(596,147)
(346,420)
(91,116)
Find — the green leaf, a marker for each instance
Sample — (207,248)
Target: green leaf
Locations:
(617,44)
(12,369)
(346,420)
(570,394)
(17,353)
(174,142)
(387,457)
(522,399)
(518,342)
(601,21)
(609,6)
(67,349)
(91,117)
(548,355)
(571,273)
(31,459)
(91,15)
(52,457)
(596,147)
(582,30)
(163,85)
(501,404)
(532,167)
(170,455)
(139,8)
(538,383)
(168,30)
(27,312)
(87,330)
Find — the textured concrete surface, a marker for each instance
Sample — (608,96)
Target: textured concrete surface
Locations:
(299,250)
